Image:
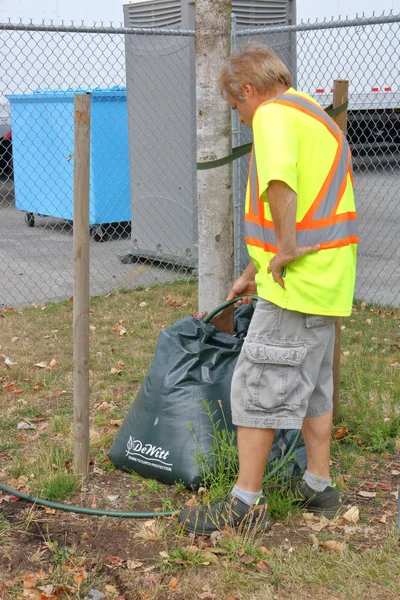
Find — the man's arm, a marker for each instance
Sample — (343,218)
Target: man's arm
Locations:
(283,205)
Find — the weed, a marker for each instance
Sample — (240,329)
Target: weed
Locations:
(154,530)
(52,477)
(60,554)
(219,469)
(182,557)
(179,487)
(153,486)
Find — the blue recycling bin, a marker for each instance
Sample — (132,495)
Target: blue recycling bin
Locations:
(42,125)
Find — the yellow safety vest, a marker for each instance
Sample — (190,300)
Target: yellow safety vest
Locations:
(321,224)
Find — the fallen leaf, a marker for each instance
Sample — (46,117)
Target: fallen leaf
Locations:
(215,550)
(79,579)
(10,385)
(142,304)
(208,556)
(47,590)
(365,494)
(264,567)
(41,365)
(264,550)
(352,515)
(383,519)
(395,494)
(17,391)
(363,305)
(395,472)
(225,563)
(114,371)
(191,502)
(32,595)
(206,596)
(121,364)
(115,560)
(316,523)
(133,564)
(334,545)
(173,583)
(14,339)
(116,422)
(30,580)
(38,385)
(163,554)
(53,363)
(384,486)
(245,559)
(341,432)
(92,327)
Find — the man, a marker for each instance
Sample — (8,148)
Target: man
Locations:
(300,227)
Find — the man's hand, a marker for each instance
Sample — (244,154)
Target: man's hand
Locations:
(279,262)
(244,285)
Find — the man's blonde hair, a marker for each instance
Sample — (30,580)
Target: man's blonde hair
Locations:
(254,63)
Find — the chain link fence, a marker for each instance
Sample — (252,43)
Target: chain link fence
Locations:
(143,213)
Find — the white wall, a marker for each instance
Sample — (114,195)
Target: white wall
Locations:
(320,9)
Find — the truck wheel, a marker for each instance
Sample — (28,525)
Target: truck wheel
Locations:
(30,219)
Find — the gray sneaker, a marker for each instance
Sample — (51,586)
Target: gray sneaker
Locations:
(231,511)
(326,503)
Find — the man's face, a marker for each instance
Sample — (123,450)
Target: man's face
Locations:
(247,107)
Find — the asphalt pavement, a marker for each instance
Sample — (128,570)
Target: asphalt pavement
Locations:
(36,263)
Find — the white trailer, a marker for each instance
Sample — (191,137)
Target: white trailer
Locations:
(366,56)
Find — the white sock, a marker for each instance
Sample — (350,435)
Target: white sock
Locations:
(246,497)
(316,483)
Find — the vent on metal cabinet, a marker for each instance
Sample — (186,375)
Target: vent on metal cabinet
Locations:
(172,13)
(153,13)
(258,13)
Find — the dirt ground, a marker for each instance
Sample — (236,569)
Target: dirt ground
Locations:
(111,549)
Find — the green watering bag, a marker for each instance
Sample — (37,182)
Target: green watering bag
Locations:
(168,424)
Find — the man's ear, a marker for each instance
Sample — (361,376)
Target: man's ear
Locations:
(248,89)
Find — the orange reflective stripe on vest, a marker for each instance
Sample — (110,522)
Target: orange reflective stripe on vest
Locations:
(320,225)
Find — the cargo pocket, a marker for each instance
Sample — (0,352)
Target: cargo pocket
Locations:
(272,374)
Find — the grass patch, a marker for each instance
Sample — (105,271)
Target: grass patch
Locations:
(124,332)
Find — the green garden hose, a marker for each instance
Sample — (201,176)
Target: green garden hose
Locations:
(86,511)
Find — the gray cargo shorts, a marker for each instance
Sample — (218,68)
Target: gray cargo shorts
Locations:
(284,371)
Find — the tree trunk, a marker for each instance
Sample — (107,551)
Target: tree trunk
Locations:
(214,186)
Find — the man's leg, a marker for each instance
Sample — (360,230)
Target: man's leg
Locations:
(254,446)
(317,437)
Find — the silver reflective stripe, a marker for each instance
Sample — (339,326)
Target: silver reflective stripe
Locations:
(327,203)
(258,232)
(330,233)
(253,183)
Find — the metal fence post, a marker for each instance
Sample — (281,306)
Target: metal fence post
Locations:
(81,281)
(235,171)
(340,96)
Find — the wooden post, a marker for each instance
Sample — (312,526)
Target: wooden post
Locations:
(340,96)
(81,282)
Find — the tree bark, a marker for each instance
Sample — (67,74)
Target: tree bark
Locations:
(214,140)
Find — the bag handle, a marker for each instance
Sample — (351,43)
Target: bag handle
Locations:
(224,305)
